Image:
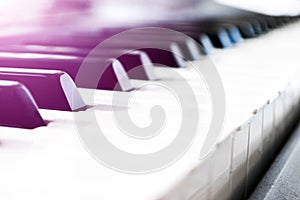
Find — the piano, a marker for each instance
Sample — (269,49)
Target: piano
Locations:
(148,100)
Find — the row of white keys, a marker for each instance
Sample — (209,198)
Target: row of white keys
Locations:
(275,71)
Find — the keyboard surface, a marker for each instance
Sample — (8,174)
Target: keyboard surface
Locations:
(57,165)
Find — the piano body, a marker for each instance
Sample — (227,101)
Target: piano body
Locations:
(145,100)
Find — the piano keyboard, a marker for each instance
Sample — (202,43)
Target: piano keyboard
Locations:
(41,101)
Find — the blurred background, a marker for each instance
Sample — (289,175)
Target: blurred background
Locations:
(115,12)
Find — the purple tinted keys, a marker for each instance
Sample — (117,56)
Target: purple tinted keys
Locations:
(138,62)
(107,74)
(17,106)
(51,89)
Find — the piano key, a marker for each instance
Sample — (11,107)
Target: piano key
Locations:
(166,57)
(288,19)
(138,65)
(176,42)
(285,20)
(88,42)
(212,27)
(171,56)
(113,77)
(164,38)
(129,59)
(234,33)
(263,24)
(257,27)
(202,32)
(271,22)
(221,169)
(293,19)
(51,89)
(206,43)
(132,186)
(166,49)
(198,44)
(220,38)
(245,28)
(279,21)
(216,32)
(18,108)
(245,88)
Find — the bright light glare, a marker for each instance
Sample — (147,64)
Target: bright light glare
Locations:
(15,11)
(35,56)
(271,7)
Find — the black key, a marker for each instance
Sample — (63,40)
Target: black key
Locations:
(88,41)
(279,21)
(50,88)
(256,26)
(206,44)
(111,75)
(271,23)
(129,59)
(17,107)
(263,24)
(164,52)
(234,33)
(220,38)
(246,29)
(138,65)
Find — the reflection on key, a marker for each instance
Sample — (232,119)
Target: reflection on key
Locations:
(50,88)
(18,108)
